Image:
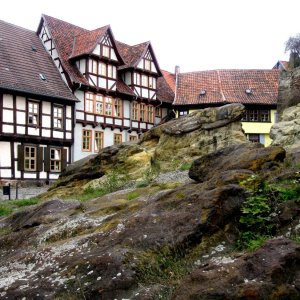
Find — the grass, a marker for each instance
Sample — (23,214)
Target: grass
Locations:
(185,167)
(7,207)
(132,195)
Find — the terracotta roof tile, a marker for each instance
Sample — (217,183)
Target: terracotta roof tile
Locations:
(166,87)
(170,79)
(85,43)
(22,58)
(132,54)
(228,86)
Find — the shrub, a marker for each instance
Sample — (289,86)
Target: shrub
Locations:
(132,195)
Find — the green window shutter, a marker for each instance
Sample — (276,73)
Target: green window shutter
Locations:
(64,159)
(20,158)
(47,159)
(40,159)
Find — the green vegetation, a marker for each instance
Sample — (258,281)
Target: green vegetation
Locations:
(7,207)
(148,177)
(132,195)
(257,222)
(185,166)
(113,181)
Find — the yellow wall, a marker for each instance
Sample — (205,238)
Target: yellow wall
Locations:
(255,127)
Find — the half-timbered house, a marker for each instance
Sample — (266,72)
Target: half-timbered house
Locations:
(36,109)
(256,89)
(116,84)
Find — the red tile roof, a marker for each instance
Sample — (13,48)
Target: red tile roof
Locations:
(132,54)
(72,41)
(166,87)
(22,58)
(170,79)
(282,65)
(228,86)
(86,42)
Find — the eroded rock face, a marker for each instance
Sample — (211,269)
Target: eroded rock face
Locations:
(272,272)
(287,132)
(117,247)
(242,159)
(173,143)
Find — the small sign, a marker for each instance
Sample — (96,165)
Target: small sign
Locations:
(6,190)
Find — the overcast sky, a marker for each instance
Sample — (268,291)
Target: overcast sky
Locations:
(194,34)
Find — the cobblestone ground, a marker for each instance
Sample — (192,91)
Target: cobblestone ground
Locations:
(24,192)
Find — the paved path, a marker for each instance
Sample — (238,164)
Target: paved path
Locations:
(24,192)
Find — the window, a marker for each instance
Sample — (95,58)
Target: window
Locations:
(109,71)
(55,160)
(133,138)
(135,111)
(57,117)
(147,64)
(143,112)
(30,158)
(152,82)
(117,138)
(99,104)
(144,80)
(256,115)
(102,69)
(158,112)
(264,115)
(183,113)
(254,138)
(89,102)
(108,106)
(98,140)
(86,140)
(253,115)
(150,114)
(118,108)
(105,51)
(33,113)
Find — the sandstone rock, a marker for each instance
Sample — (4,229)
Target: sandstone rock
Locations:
(165,147)
(247,156)
(287,132)
(261,275)
(47,212)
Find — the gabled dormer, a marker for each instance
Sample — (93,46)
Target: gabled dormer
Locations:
(141,70)
(97,57)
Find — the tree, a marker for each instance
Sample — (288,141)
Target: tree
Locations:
(293,45)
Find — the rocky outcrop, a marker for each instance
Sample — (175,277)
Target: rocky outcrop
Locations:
(122,247)
(287,132)
(241,159)
(270,273)
(165,147)
(289,89)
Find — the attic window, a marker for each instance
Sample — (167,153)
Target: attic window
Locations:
(43,77)
(33,48)
(248,91)
(202,93)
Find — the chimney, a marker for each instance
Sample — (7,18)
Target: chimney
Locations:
(177,70)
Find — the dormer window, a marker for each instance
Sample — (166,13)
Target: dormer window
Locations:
(202,93)
(105,51)
(147,65)
(249,91)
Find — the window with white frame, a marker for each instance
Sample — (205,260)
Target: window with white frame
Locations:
(33,113)
(58,117)
(55,160)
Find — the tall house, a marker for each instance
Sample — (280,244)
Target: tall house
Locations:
(257,90)
(36,109)
(120,88)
